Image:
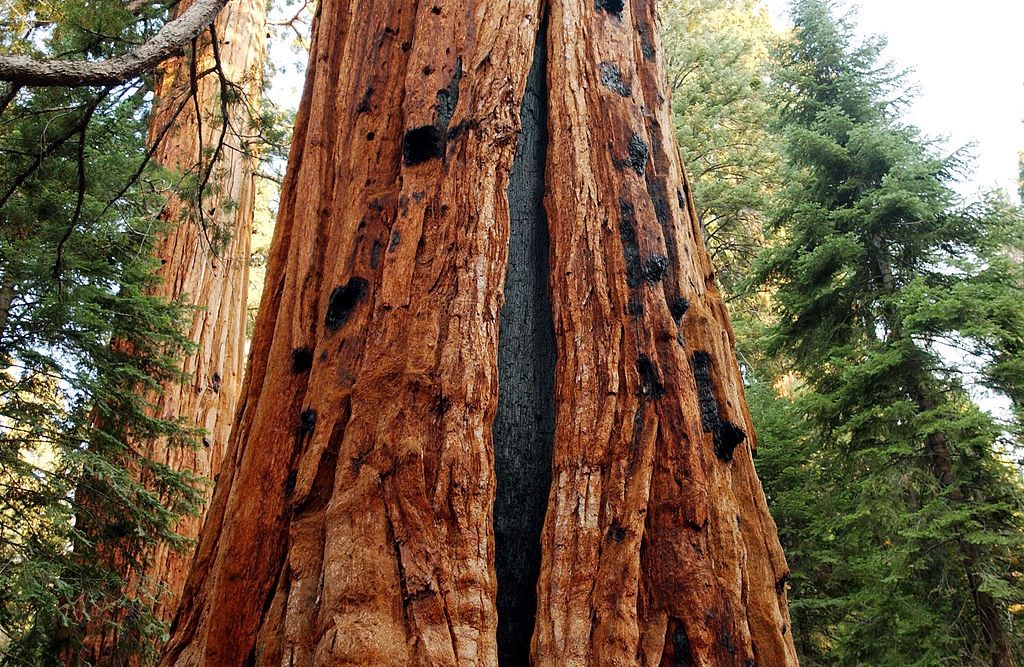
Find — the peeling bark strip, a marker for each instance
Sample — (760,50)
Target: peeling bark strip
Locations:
(524,423)
(372,538)
(215,279)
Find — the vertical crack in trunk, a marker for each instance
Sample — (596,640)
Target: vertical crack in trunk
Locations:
(524,425)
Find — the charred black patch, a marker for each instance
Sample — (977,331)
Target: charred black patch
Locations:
(448,99)
(634,308)
(343,300)
(658,193)
(215,383)
(701,363)
(440,405)
(616,532)
(650,382)
(681,199)
(678,308)
(677,646)
(375,254)
(364,104)
(307,421)
(289,483)
(523,425)
(611,78)
(302,359)
(730,436)
(725,435)
(780,586)
(421,144)
(727,642)
(646,48)
(396,238)
(656,268)
(630,243)
(613,7)
(636,157)
(206,443)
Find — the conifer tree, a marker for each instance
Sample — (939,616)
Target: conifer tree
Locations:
(901,515)
(78,224)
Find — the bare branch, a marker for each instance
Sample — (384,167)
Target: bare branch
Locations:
(170,40)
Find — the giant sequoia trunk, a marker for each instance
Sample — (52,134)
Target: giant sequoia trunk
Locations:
(202,125)
(405,483)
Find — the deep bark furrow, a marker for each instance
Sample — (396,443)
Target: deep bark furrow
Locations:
(524,423)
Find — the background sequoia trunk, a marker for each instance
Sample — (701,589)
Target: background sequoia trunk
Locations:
(376,465)
(204,261)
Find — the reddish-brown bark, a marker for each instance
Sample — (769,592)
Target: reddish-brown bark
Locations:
(353,523)
(204,260)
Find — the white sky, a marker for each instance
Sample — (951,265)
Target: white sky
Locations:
(968,64)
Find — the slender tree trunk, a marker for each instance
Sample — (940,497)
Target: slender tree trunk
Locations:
(390,440)
(204,260)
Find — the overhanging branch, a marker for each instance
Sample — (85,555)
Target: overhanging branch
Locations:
(170,40)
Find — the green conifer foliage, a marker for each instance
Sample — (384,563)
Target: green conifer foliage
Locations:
(894,492)
(717,58)
(78,217)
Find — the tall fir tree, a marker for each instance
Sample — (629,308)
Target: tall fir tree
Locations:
(900,513)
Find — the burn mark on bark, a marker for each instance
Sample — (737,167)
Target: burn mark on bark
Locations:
(302,359)
(307,421)
(396,238)
(678,308)
(658,193)
(448,99)
(375,254)
(613,7)
(428,141)
(611,78)
(678,652)
(730,647)
(421,144)
(364,104)
(646,48)
(524,424)
(616,532)
(650,382)
(636,155)
(656,268)
(343,300)
(634,308)
(630,243)
(780,587)
(440,405)
(725,435)
(215,383)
